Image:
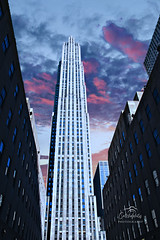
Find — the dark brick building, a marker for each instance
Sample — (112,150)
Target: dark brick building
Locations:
(19,191)
(134,162)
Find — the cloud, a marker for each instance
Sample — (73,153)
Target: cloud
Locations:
(44,101)
(41,89)
(122,40)
(100,85)
(94,99)
(90,66)
(37,86)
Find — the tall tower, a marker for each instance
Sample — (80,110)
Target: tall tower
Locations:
(71,206)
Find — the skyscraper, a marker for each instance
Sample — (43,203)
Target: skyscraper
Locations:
(152,52)
(71,205)
(100,178)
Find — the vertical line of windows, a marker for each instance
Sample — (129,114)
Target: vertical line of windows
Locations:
(136,137)
(16,91)
(141,160)
(11,70)
(2,96)
(1,12)
(156,95)
(156,136)
(5,44)
(148,112)
(1,147)
(9,117)
(148,150)
(8,164)
(141,126)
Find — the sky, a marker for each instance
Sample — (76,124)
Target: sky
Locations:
(114,38)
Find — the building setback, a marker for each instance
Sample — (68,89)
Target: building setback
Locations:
(19,190)
(134,163)
(152,52)
(100,178)
(71,204)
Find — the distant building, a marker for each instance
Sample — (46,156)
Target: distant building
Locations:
(134,163)
(42,189)
(152,50)
(19,188)
(100,178)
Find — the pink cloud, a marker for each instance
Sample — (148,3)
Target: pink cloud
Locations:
(93,98)
(121,39)
(45,76)
(37,86)
(101,85)
(44,101)
(90,66)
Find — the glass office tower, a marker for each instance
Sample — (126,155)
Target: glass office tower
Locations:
(71,205)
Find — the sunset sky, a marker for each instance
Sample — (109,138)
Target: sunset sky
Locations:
(114,37)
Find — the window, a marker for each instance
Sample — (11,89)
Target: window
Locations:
(156,136)
(148,150)
(11,70)
(155,176)
(154,218)
(130,177)
(24,123)
(136,137)
(120,141)
(147,186)
(2,96)
(5,44)
(1,199)
(134,200)
(146,223)
(19,148)
(141,160)
(148,112)
(14,134)
(16,91)
(131,148)
(156,95)
(135,170)
(9,117)
(140,194)
(1,147)
(141,125)
(20,109)
(8,164)
(1,13)
(123,136)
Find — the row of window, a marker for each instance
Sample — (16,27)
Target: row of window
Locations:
(155,132)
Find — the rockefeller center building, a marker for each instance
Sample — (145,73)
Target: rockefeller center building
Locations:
(71,211)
